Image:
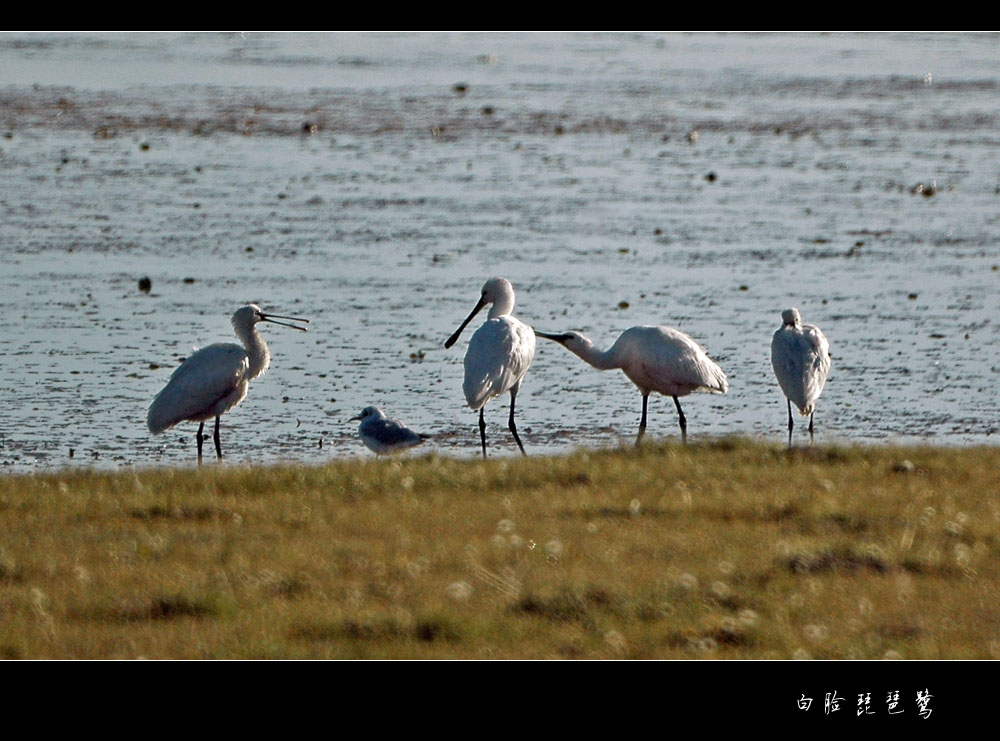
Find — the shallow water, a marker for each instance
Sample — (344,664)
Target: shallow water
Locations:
(372,182)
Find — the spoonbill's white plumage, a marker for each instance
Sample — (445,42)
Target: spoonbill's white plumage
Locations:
(215,378)
(384,435)
(800,356)
(658,359)
(499,353)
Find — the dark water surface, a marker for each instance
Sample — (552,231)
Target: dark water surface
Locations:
(372,182)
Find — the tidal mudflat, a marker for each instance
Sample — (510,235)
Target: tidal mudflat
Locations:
(372,182)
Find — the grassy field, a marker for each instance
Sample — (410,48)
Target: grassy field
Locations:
(721,550)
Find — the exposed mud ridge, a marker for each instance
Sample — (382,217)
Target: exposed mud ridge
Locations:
(205,112)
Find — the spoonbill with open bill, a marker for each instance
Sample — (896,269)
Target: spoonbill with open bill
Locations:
(214,379)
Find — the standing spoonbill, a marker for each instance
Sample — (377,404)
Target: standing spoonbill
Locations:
(800,356)
(499,353)
(658,359)
(214,379)
(384,435)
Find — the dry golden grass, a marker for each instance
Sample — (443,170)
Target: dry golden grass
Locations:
(728,549)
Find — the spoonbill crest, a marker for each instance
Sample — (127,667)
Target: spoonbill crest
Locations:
(800,356)
(657,359)
(215,378)
(499,353)
(384,435)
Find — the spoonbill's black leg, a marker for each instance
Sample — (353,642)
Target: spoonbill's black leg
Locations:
(791,424)
(642,422)
(218,443)
(683,421)
(200,438)
(510,421)
(482,430)
(811,428)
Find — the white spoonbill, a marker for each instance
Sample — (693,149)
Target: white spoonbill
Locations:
(214,379)
(800,355)
(499,353)
(384,435)
(658,359)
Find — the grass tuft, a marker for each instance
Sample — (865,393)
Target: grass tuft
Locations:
(165,607)
(838,559)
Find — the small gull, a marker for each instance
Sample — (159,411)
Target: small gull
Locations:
(384,435)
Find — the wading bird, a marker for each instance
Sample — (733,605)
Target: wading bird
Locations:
(214,379)
(384,435)
(499,353)
(800,356)
(657,359)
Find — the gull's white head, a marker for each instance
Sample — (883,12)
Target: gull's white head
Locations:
(368,413)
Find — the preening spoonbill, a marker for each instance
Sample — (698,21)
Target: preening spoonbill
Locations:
(384,435)
(800,355)
(214,379)
(657,359)
(499,353)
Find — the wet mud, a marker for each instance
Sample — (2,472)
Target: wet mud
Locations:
(372,182)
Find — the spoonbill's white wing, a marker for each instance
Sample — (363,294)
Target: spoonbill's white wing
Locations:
(210,381)
(499,355)
(801,361)
(668,361)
